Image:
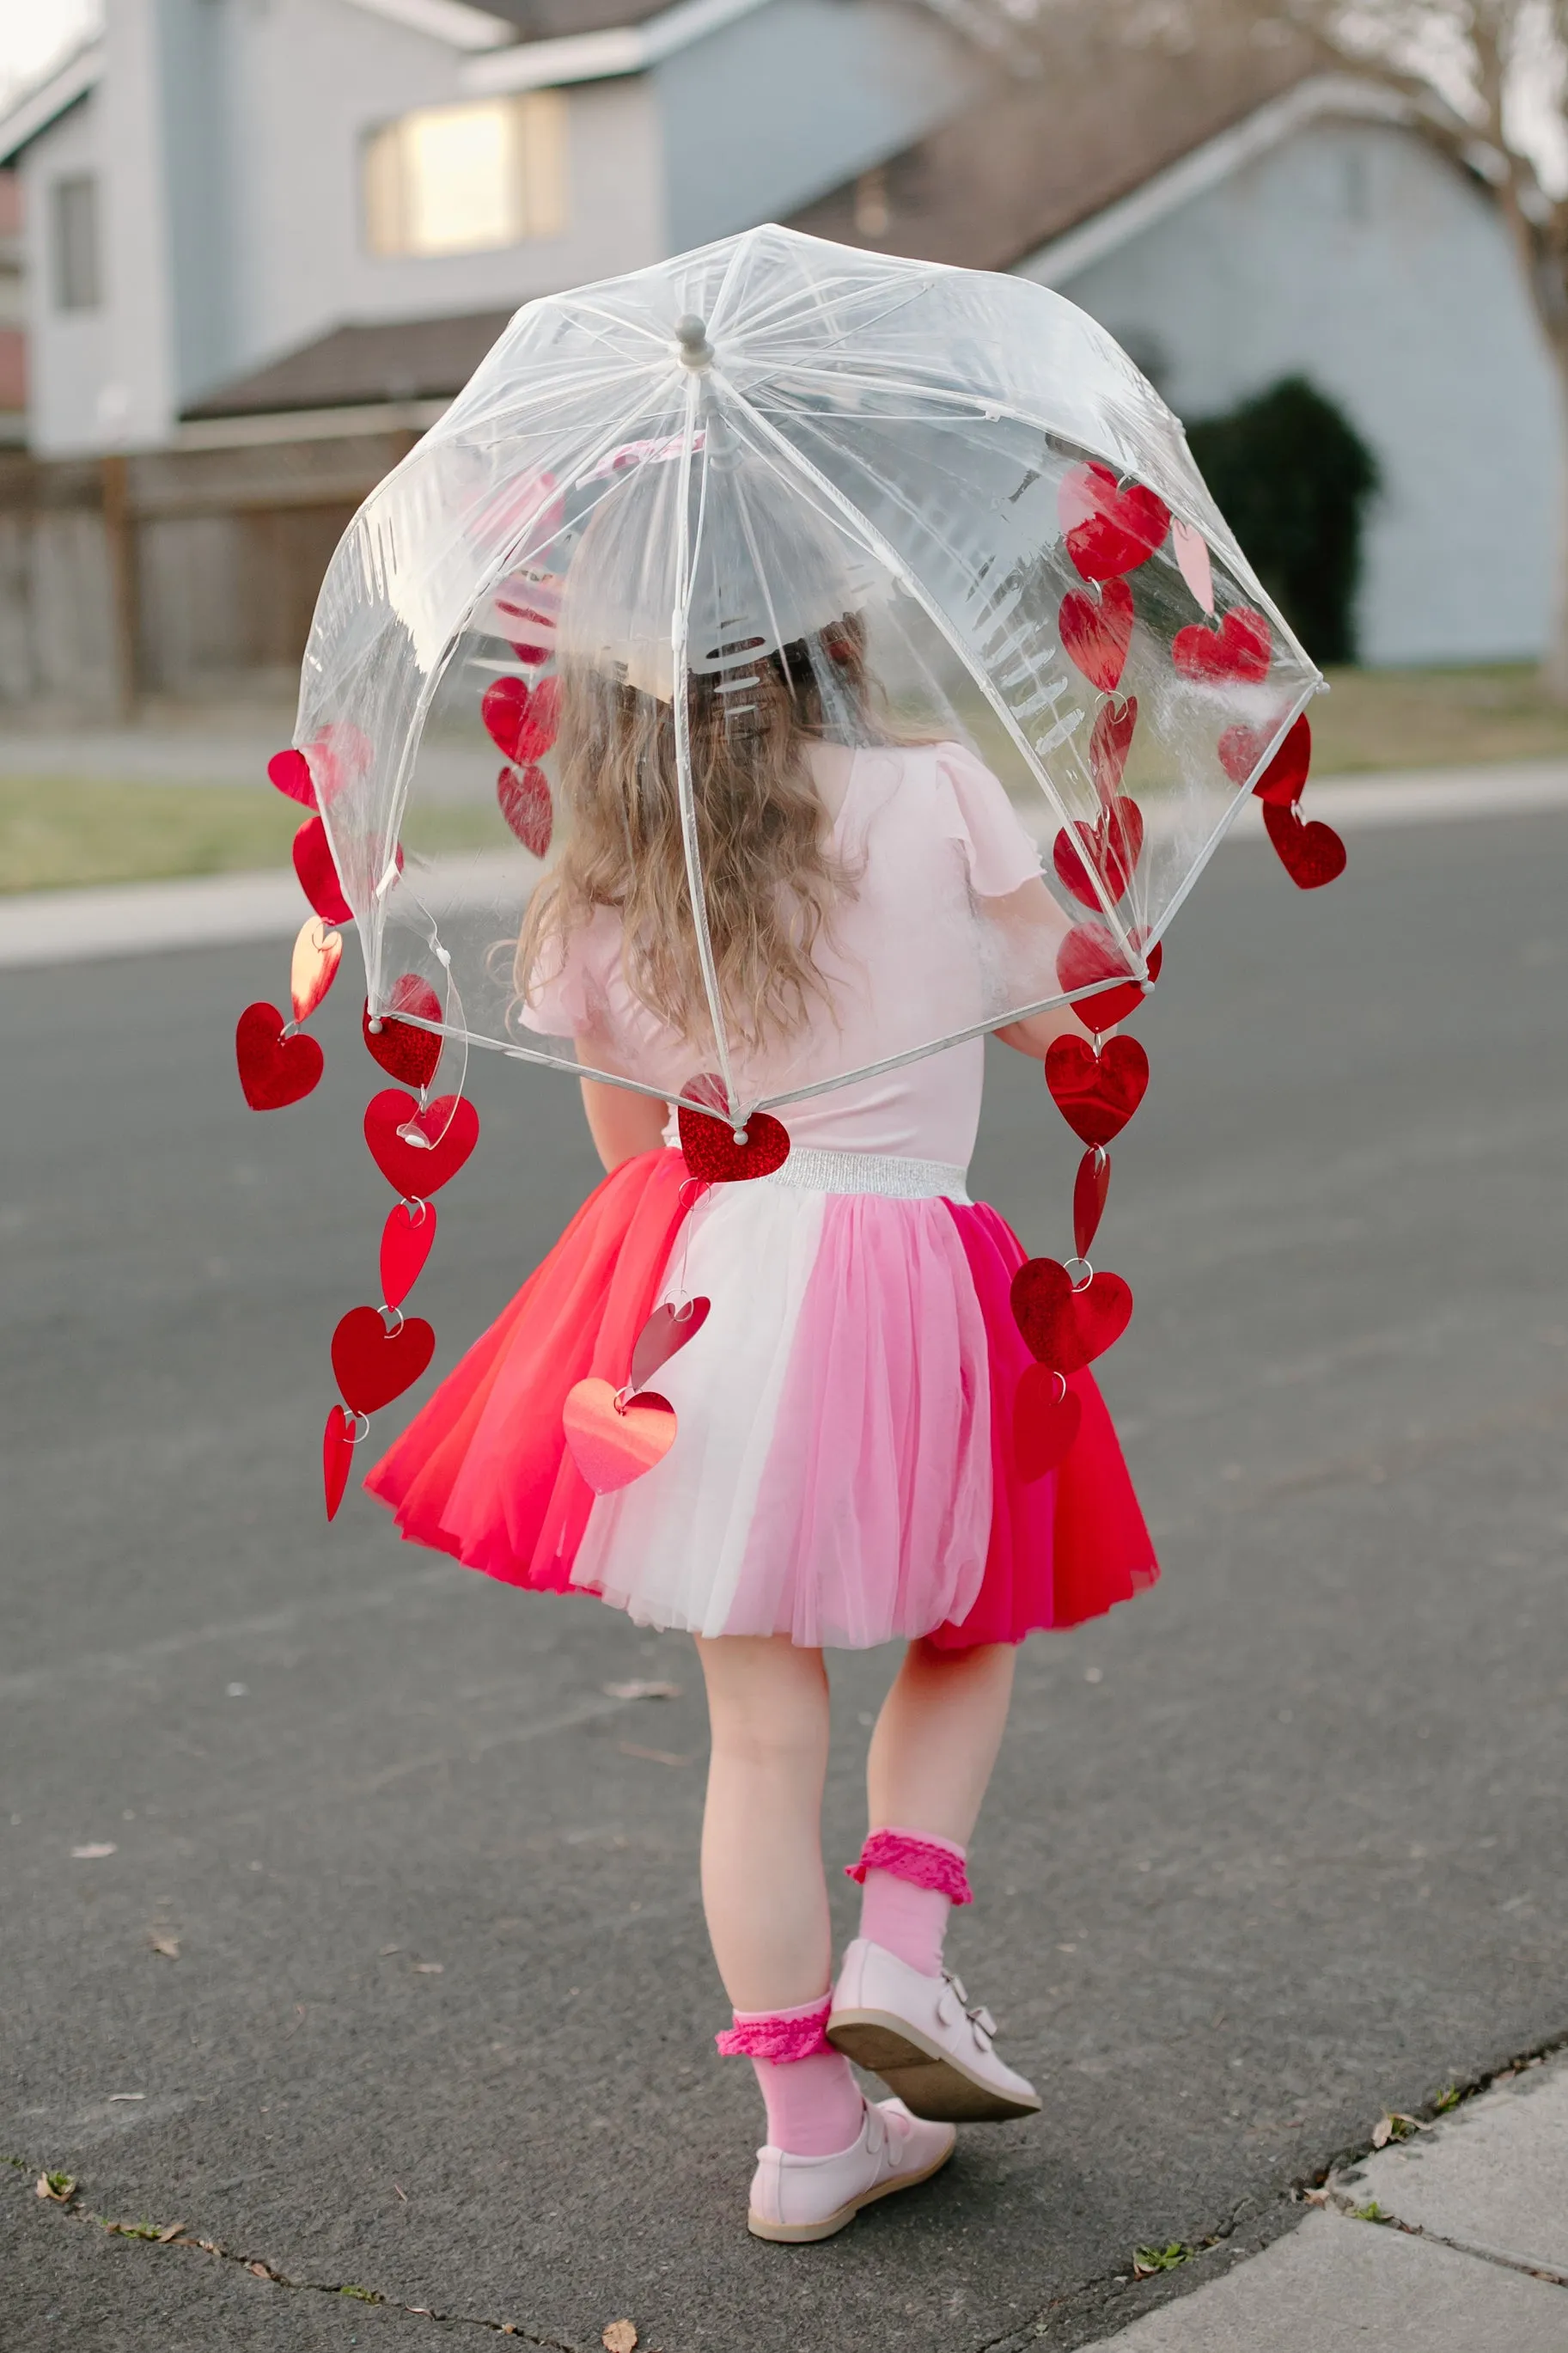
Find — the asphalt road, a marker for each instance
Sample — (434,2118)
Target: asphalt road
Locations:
(1278,1846)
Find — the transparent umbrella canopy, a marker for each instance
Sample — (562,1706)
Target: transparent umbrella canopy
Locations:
(930,506)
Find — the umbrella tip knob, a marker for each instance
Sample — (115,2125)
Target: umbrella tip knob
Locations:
(691,334)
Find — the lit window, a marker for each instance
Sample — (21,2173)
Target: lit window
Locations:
(467,179)
(73,238)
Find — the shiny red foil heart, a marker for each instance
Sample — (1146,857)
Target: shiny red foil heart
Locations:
(273,1070)
(714,1153)
(337,1455)
(416,1170)
(1110,849)
(1065,1328)
(402,1051)
(1046,1416)
(1097,1094)
(318,875)
(522,720)
(1089,1188)
(613,1444)
(667,1332)
(1097,632)
(1109,741)
(406,1241)
(313,966)
(523,797)
(290,772)
(1091,953)
(1241,748)
(1108,529)
(371,1364)
(1241,648)
(1310,854)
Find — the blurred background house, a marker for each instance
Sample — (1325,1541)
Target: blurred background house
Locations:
(263,247)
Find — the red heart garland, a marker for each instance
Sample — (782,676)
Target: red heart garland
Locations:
(1109,741)
(1310,854)
(612,1444)
(402,1051)
(1241,648)
(1108,529)
(373,1366)
(451,1124)
(1097,1094)
(522,720)
(524,795)
(1046,1416)
(714,1151)
(1065,1328)
(406,1241)
(1241,748)
(667,1332)
(1089,1188)
(273,1070)
(318,875)
(290,772)
(337,1454)
(1090,953)
(1109,849)
(1096,634)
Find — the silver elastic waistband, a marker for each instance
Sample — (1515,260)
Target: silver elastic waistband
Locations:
(811,1171)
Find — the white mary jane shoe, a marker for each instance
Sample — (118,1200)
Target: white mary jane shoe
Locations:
(920,2034)
(799,2197)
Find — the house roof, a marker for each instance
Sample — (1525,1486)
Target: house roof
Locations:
(400,360)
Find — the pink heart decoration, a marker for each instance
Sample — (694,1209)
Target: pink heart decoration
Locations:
(402,1051)
(612,1444)
(273,1070)
(1110,849)
(1109,530)
(1310,854)
(290,772)
(1096,634)
(450,1128)
(1097,1094)
(1193,562)
(373,1366)
(667,1332)
(318,875)
(522,720)
(1241,648)
(1089,1188)
(714,1151)
(337,1454)
(406,1241)
(1065,1328)
(524,795)
(313,966)
(1109,741)
(1090,953)
(1046,1416)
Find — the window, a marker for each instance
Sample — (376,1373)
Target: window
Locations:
(467,179)
(73,223)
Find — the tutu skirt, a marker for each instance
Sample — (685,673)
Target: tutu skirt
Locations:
(842,1471)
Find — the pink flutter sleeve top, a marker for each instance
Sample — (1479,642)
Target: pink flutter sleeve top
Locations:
(930,837)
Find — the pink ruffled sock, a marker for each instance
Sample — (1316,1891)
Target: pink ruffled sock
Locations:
(814,2105)
(909,1885)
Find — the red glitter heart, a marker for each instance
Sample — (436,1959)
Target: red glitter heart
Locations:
(1108,529)
(1096,633)
(612,1444)
(1089,1188)
(667,1332)
(337,1454)
(1109,741)
(373,1366)
(715,1153)
(1065,1328)
(1046,1416)
(406,1241)
(524,795)
(318,875)
(1310,854)
(273,1070)
(1241,648)
(290,772)
(522,720)
(1097,1094)
(451,1123)
(1091,953)
(402,1051)
(1109,849)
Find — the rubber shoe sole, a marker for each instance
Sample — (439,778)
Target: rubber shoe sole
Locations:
(931,2082)
(796,2235)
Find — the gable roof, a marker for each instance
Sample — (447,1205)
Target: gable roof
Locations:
(393,361)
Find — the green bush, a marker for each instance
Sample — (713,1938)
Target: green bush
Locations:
(1293,477)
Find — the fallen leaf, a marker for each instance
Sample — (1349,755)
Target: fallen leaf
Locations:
(259,2271)
(1383,2132)
(654,1755)
(92,1854)
(59,2188)
(620,2337)
(170,2230)
(125,2095)
(428,1969)
(641,1690)
(168,1946)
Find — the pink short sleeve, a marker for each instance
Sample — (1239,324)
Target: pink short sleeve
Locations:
(1001,854)
(565,988)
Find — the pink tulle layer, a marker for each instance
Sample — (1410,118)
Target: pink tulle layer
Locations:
(925,1863)
(781,2035)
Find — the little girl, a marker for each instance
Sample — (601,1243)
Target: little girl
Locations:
(842,1472)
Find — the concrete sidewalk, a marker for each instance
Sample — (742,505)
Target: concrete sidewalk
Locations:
(1454,2240)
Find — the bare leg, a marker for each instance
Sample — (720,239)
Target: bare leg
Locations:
(762,1886)
(936,1739)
